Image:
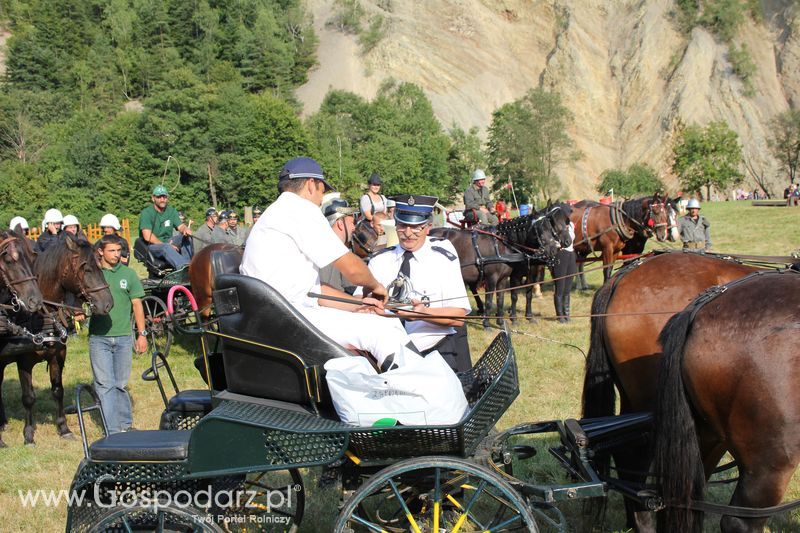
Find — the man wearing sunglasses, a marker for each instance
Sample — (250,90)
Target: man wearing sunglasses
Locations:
(156,223)
(428,273)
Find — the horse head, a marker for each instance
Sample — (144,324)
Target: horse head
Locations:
(16,272)
(657,216)
(73,263)
(559,216)
(364,238)
(542,236)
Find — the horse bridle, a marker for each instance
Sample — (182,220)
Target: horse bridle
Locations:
(5,248)
(85,291)
(650,218)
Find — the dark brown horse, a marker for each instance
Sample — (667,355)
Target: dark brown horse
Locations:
(364,239)
(729,382)
(68,266)
(608,228)
(18,285)
(624,350)
(201,274)
(491,257)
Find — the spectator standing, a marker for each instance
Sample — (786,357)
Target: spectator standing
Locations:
(236,233)
(221,229)
(71,224)
(563,272)
(373,202)
(51,228)
(695,228)
(110,341)
(205,234)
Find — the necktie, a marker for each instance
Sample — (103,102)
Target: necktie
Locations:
(405,266)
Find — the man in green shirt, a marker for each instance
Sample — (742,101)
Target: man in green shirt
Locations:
(110,339)
(156,223)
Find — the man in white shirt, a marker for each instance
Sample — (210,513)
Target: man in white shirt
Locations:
(290,243)
(431,272)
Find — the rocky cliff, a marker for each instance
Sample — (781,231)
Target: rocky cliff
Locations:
(629,76)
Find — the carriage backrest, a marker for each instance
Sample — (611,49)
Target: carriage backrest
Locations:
(155,266)
(270,350)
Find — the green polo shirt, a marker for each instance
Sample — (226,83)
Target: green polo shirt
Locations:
(161,224)
(125,286)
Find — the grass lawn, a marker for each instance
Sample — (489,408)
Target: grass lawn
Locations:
(550,358)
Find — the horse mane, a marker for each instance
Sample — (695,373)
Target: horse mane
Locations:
(635,209)
(516,229)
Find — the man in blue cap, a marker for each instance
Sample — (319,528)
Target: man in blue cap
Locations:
(156,223)
(292,241)
(426,271)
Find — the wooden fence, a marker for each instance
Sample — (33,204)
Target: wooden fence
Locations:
(93,231)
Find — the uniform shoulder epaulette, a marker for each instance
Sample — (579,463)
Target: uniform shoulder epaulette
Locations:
(447,253)
(379,252)
(437,239)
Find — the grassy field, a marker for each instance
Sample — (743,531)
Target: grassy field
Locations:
(550,356)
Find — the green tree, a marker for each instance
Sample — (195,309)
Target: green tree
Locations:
(785,142)
(707,157)
(464,157)
(638,180)
(528,140)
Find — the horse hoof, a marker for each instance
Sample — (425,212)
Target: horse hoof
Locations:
(69,436)
(30,444)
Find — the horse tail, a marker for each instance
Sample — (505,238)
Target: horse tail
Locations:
(678,466)
(599,396)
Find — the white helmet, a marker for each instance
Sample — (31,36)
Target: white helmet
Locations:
(53,215)
(478,175)
(18,221)
(693,204)
(110,221)
(71,220)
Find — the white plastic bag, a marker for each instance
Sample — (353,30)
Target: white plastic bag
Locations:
(423,392)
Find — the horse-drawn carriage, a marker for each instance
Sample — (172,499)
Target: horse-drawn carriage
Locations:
(268,413)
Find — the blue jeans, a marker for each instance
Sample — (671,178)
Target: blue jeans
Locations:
(112,358)
(166,252)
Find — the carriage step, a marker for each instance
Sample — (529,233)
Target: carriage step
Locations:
(150,445)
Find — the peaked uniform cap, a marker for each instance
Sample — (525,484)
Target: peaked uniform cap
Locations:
(303,167)
(413,209)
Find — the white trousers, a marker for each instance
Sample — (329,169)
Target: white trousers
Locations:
(378,335)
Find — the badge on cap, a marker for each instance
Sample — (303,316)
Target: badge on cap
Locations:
(411,200)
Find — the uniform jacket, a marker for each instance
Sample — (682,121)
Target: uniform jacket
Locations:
(475,198)
(695,230)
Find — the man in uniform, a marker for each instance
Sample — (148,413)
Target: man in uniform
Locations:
(292,241)
(236,234)
(432,271)
(221,229)
(156,223)
(110,336)
(339,215)
(477,197)
(205,233)
(110,225)
(256,214)
(694,228)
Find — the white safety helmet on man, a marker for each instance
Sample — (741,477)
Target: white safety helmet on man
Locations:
(18,221)
(53,215)
(694,203)
(110,221)
(478,175)
(71,220)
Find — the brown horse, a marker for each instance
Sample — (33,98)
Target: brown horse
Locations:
(68,266)
(624,348)
(608,228)
(201,274)
(18,285)
(729,382)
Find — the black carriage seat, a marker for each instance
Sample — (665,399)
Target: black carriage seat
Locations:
(149,445)
(156,267)
(287,365)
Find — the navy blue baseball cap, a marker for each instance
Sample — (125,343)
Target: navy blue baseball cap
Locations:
(303,167)
(413,209)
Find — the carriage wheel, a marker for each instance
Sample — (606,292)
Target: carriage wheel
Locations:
(435,494)
(167,518)
(275,501)
(157,323)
